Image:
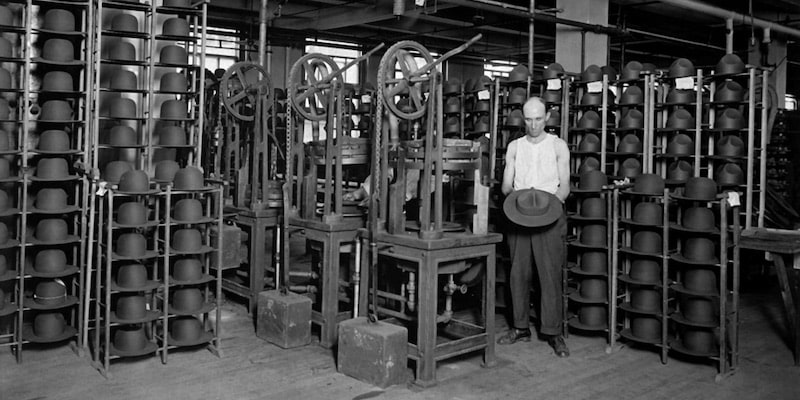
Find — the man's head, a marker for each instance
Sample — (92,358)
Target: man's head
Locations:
(535,116)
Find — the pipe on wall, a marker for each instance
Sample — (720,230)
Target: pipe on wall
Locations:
(704,8)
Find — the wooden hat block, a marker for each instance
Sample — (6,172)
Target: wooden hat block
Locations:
(375,353)
(284,319)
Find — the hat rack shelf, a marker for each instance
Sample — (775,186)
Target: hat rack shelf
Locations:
(43,114)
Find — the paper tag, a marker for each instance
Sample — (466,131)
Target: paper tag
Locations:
(684,83)
(594,87)
(733,199)
(419,3)
(483,95)
(366,99)
(554,84)
(101,189)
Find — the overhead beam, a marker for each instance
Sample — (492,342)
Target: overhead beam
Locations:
(353,15)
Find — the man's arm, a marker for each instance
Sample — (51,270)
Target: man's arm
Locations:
(508,174)
(562,161)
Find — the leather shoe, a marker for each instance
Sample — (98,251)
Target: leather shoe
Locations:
(515,335)
(558,345)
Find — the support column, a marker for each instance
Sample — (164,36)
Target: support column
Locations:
(575,50)
(775,50)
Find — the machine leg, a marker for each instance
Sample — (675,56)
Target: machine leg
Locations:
(426,329)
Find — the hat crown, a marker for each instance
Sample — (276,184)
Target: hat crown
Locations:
(5,48)
(51,229)
(592,180)
(679,170)
(131,306)
(134,181)
(593,315)
(51,199)
(519,73)
(187,240)
(57,81)
(632,95)
(700,279)
(632,70)
(122,107)
(646,327)
(552,71)
(729,64)
(646,299)
(589,120)
(731,174)
(124,22)
(680,68)
(730,146)
(176,27)
(52,168)
(699,340)
(132,213)
(630,143)
(592,73)
(174,109)
(56,110)
(594,261)
(649,183)
(594,235)
(697,309)
(589,164)
(552,96)
(518,95)
(173,82)
(6,16)
(648,213)
(188,178)
(124,80)
(700,188)
(645,270)
(680,119)
(187,299)
(173,54)
(630,168)
(593,207)
(700,218)
(593,288)
(122,51)
(187,269)
(114,170)
(50,292)
(49,324)
(186,329)
(647,242)
(50,260)
(53,140)
(729,119)
(131,244)
(188,210)
(681,144)
(59,20)
(122,135)
(533,203)
(729,91)
(130,338)
(699,249)
(166,170)
(172,135)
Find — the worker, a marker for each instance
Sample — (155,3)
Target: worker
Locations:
(536,181)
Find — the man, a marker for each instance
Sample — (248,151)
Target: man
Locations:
(541,161)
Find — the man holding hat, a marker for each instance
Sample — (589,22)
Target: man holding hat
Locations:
(536,181)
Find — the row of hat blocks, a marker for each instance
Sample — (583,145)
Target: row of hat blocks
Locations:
(655,267)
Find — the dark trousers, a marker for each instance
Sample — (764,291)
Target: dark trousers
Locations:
(541,248)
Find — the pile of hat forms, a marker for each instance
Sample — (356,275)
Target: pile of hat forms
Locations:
(588,292)
(697,263)
(642,255)
(514,93)
(478,106)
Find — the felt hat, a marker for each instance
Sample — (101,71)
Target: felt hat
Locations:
(592,73)
(134,181)
(594,235)
(171,135)
(131,245)
(592,316)
(188,178)
(553,71)
(590,143)
(55,110)
(173,54)
(679,171)
(699,219)
(679,120)
(632,120)
(632,95)
(124,22)
(121,51)
(648,242)
(50,293)
(702,280)
(610,71)
(187,240)
(53,141)
(52,169)
(518,74)
(594,289)
(645,270)
(5,201)
(50,262)
(681,96)
(482,106)
(131,340)
(698,309)
(165,170)
(681,68)
(591,181)
(554,119)
(646,213)
(590,120)
(697,341)
(589,164)
(648,184)
(124,80)
(482,124)
(187,300)
(729,92)
(173,82)
(6,16)
(515,119)
(51,230)
(483,83)
(187,210)
(646,327)
(451,86)
(518,95)
(7,141)
(57,81)
(699,188)
(121,108)
(3,265)
(174,109)
(5,169)
(4,234)
(630,144)
(6,49)
(58,20)
(594,262)
(593,207)
(630,168)
(532,207)
(680,145)
(551,96)
(730,146)
(699,249)
(131,307)
(178,3)
(187,270)
(113,171)
(122,136)
(730,174)
(51,200)
(729,64)
(452,125)
(631,71)
(49,326)
(5,79)
(132,213)
(596,99)
(645,299)
(729,119)
(175,27)
(187,331)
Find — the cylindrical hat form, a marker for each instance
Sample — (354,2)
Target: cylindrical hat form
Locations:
(57,81)
(124,22)
(175,27)
(122,136)
(53,140)
(174,109)
(123,80)
(173,54)
(173,82)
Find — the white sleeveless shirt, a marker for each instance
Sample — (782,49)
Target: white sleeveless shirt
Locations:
(535,164)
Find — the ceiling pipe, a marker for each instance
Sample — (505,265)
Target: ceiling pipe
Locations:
(732,15)
(532,10)
(262,34)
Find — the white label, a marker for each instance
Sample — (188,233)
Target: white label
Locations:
(594,87)
(733,199)
(483,95)
(101,189)
(366,99)
(554,84)
(684,83)
(419,3)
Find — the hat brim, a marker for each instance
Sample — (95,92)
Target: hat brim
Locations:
(148,348)
(9,244)
(7,309)
(68,270)
(629,279)
(205,337)
(29,335)
(683,260)
(630,250)
(577,297)
(629,221)
(681,319)
(627,333)
(576,269)
(62,210)
(125,34)
(204,308)
(551,214)
(577,324)
(202,250)
(205,278)
(628,307)
(8,275)
(73,63)
(144,256)
(9,211)
(148,316)
(678,346)
(679,287)
(681,228)
(66,301)
(685,198)
(66,240)
(148,285)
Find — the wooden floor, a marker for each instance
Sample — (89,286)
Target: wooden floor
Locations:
(253,369)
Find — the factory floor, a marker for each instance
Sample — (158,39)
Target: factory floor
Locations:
(253,369)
